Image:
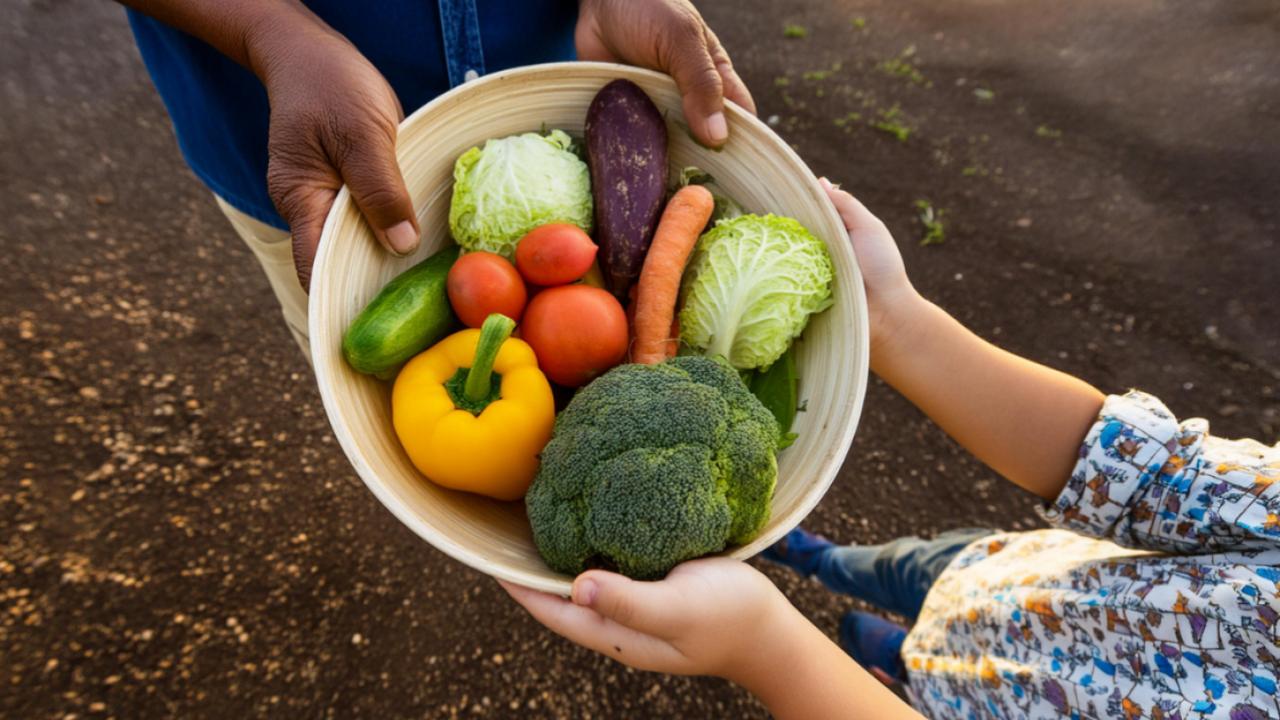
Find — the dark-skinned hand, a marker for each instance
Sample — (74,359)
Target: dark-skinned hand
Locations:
(334,117)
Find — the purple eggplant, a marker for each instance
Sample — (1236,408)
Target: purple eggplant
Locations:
(626,141)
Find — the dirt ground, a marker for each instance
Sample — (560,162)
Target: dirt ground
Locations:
(181,537)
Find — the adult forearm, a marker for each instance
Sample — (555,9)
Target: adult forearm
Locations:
(1024,420)
(805,676)
(247,31)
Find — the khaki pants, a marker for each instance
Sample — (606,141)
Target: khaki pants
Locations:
(274,251)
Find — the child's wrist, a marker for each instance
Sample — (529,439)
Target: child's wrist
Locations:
(757,669)
(898,325)
(788,661)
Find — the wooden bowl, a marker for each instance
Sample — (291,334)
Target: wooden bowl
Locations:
(756,167)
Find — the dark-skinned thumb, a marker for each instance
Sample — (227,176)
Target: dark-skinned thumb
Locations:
(372,174)
(702,90)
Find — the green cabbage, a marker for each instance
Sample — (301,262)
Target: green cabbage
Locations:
(516,184)
(750,288)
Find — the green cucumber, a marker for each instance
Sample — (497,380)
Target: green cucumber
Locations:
(406,317)
(776,389)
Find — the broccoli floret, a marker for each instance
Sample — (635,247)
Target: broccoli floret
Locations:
(652,465)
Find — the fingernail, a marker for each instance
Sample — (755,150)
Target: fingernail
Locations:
(402,238)
(584,593)
(717,128)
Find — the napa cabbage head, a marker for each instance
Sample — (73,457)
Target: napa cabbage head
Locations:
(750,288)
(514,184)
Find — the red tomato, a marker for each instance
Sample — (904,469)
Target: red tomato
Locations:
(481,283)
(577,332)
(555,254)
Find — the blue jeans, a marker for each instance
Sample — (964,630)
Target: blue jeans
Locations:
(897,575)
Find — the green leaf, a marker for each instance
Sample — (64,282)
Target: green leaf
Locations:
(777,389)
(931,218)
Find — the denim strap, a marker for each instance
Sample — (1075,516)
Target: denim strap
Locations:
(463,54)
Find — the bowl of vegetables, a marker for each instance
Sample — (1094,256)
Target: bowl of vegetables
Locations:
(614,347)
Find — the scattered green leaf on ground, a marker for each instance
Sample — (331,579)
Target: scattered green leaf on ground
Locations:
(859,23)
(794,31)
(847,120)
(984,94)
(931,218)
(819,75)
(1045,131)
(781,81)
(903,67)
(891,122)
(972,170)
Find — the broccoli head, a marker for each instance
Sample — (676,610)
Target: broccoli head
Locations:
(652,465)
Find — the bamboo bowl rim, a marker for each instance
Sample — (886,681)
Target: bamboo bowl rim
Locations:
(830,436)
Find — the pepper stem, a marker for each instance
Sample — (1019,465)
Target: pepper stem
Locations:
(495,331)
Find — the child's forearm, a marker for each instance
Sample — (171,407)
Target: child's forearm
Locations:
(1024,420)
(805,676)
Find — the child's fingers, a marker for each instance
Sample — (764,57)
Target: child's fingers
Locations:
(526,595)
(557,613)
(857,218)
(650,607)
(593,631)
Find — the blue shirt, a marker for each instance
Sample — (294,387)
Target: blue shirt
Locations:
(423,47)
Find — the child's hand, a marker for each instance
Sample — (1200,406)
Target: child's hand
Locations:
(980,395)
(717,616)
(890,296)
(713,616)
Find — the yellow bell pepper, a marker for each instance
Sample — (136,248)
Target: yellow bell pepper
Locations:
(460,430)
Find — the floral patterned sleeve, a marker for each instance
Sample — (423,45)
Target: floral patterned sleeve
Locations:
(1144,480)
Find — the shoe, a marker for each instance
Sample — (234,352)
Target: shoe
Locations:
(874,643)
(799,550)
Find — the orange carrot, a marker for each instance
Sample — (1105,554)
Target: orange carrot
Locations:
(678,230)
(673,337)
